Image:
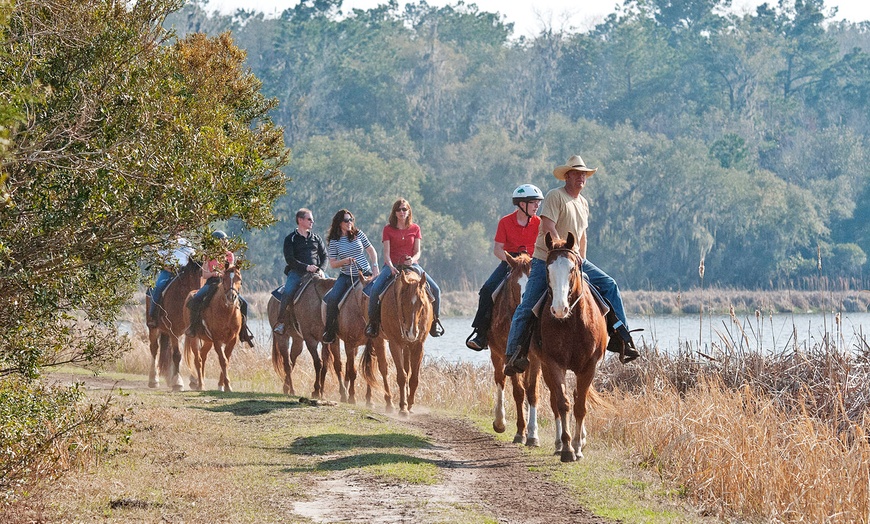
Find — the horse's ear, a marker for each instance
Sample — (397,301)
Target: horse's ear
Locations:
(512,262)
(569,242)
(549,241)
(227,264)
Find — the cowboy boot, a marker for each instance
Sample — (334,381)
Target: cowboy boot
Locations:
(195,319)
(331,330)
(436,330)
(621,342)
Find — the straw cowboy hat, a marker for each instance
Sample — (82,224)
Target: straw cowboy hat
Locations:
(575,163)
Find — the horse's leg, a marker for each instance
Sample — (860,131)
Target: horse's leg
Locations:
(294,345)
(335,353)
(350,372)
(384,368)
(176,382)
(224,357)
(555,380)
(200,362)
(154,347)
(584,381)
(519,393)
(532,379)
(318,368)
(498,422)
(401,376)
(414,380)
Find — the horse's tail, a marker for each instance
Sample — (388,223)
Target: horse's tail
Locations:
(164,359)
(191,345)
(367,364)
(277,358)
(595,401)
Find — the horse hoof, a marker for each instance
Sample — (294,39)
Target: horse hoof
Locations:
(568,456)
(498,427)
(177,389)
(404,414)
(388,408)
(518,439)
(154,385)
(532,443)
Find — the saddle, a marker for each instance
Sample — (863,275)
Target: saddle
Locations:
(278,292)
(367,290)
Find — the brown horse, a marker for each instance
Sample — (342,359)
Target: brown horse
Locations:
(525,385)
(352,319)
(221,322)
(406,316)
(573,336)
(307,313)
(171,324)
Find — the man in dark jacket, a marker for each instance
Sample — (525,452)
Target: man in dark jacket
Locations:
(305,253)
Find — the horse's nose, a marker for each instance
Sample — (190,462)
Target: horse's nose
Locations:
(560,312)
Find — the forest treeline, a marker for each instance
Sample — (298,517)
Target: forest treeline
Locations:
(736,140)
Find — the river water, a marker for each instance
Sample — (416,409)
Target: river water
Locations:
(667,333)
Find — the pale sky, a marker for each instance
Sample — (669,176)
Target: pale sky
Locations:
(529,16)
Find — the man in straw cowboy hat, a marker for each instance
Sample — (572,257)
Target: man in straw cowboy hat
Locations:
(564,211)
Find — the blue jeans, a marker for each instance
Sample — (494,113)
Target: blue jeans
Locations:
(383,280)
(291,284)
(483,318)
(163,280)
(537,286)
(333,297)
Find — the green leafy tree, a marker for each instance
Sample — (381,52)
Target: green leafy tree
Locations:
(129,137)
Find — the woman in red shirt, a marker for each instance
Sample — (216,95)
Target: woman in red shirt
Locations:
(401,239)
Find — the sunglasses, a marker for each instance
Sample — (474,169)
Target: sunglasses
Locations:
(347,220)
(309,218)
(403,209)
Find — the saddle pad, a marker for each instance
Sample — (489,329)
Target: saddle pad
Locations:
(355,285)
(392,280)
(500,286)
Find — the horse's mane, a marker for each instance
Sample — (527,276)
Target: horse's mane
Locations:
(192,265)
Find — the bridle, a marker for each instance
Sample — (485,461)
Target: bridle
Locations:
(577,272)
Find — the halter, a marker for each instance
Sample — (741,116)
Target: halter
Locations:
(578,264)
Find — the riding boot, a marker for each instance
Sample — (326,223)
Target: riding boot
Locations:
(519,361)
(245,334)
(622,343)
(477,340)
(374,325)
(151,320)
(331,330)
(279,327)
(194,306)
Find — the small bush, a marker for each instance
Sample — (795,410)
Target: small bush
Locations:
(44,431)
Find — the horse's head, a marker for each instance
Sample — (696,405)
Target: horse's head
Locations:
(521,266)
(231,283)
(564,275)
(413,303)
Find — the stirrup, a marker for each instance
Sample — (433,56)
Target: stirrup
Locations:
(476,341)
(279,328)
(437,329)
(517,363)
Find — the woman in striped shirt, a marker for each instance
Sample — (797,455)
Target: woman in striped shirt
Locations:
(347,248)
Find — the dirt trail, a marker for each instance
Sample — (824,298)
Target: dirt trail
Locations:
(481,477)
(479,472)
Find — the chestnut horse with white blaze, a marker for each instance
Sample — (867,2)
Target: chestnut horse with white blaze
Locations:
(310,321)
(221,322)
(171,325)
(573,337)
(525,385)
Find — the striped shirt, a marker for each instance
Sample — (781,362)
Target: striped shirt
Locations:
(343,248)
